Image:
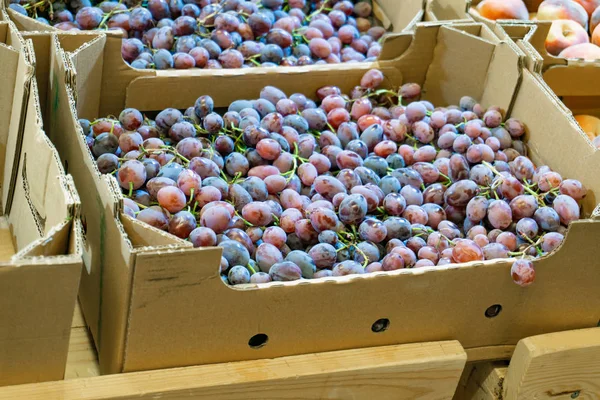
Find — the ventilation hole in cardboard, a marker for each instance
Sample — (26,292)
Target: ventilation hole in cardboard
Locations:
(380,325)
(257,341)
(493,311)
(66,167)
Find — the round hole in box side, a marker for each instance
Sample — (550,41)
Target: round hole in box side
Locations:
(493,311)
(380,325)
(257,341)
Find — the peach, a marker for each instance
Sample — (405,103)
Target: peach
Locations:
(586,51)
(589,124)
(589,5)
(562,9)
(564,33)
(503,9)
(596,36)
(595,19)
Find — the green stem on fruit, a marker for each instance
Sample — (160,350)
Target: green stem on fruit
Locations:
(447,178)
(252,270)
(276,219)
(130,189)
(362,253)
(242,218)
(317,12)
(341,248)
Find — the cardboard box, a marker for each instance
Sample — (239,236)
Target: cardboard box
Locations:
(395,15)
(40,249)
(575,82)
(153,301)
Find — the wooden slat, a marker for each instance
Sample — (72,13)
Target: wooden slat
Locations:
(82,360)
(78,319)
(482,381)
(7,249)
(412,371)
(555,366)
(490,353)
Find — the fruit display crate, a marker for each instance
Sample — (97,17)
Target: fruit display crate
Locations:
(570,33)
(561,365)
(40,242)
(146,316)
(393,14)
(574,82)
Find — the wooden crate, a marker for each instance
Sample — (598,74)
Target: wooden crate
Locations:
(555,366)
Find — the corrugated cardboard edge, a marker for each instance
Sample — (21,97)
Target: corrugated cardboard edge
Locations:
(25,64)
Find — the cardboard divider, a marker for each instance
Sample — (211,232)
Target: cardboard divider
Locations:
(40,260)
(447,10)
(574,85)
(153,303)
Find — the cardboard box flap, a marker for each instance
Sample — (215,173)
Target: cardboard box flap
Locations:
(37,302)
(88,63)
(62,238)
(402,14)
(445,10)
(22,76)
(182,92)
(3,31)
(8,78)
(27,24)
(55,243)
(447,67)
(520,33)
(142,235)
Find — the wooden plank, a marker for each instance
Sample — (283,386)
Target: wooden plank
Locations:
(82,360)
(490,353)
(7,249)
(412,371)
(557,366)
(78,319)
(484,382)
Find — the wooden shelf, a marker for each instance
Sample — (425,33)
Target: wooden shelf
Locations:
(411,371)
(82,360)
(557,366)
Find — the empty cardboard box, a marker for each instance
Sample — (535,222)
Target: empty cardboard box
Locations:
(40,247)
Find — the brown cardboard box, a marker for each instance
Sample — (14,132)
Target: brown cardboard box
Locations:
(40,254)
(575,82)
(152,301)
